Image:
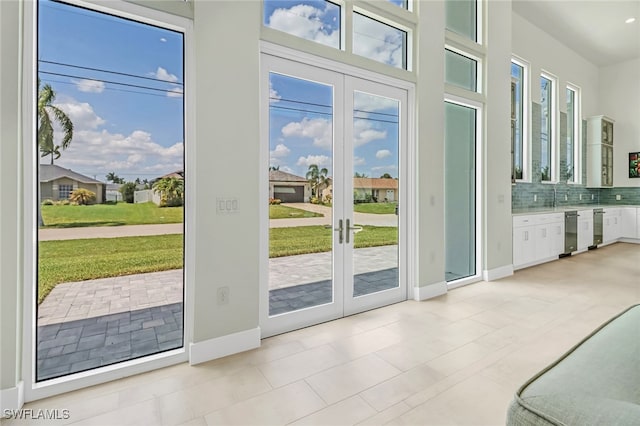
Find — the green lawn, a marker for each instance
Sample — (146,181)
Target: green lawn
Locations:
(286,212)
(316,239)
(375,208)
(79,260)
(109,215)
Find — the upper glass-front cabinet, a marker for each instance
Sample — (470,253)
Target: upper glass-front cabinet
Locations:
(600,151)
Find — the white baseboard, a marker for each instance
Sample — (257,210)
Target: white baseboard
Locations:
(497,273)
(429,291)
(12,398)
(223,346)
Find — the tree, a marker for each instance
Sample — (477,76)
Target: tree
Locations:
(111,176)
(171,191)
(359,175)
(47,113)
(386,176)
(274,168)
(128,190)
(317,178)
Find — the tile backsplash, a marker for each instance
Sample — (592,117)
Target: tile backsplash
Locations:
(525,195)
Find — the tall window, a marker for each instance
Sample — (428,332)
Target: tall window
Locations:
(547,141)
(462,17)
(517,124)
(573,144)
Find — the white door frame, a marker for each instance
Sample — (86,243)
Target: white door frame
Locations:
(271,56)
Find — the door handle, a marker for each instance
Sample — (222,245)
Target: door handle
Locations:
(352,228)
(340,230)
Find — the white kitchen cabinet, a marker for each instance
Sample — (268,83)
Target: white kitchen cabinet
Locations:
(600,151)
(524,251)
(537,238)
(611,225)
(629,222)
(585,229)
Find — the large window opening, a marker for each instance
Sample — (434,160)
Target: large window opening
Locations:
(572,168)
(517,121)
(110,134)
(547,139)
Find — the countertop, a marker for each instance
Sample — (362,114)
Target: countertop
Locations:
(562,209)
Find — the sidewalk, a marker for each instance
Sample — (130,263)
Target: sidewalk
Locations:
(109,231)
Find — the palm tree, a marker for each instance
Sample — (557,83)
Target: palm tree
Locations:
(47,113)
(171,191)
(317,178)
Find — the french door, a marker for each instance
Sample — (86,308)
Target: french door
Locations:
(335,222)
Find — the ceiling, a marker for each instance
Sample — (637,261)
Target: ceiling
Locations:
(595,29)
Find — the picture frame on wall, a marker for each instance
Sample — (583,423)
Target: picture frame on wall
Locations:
(634,165)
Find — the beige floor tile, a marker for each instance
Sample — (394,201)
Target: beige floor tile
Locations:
(351,378)
(146,412)
(303,364)
(398,388)
(366,343)
(459,358)
(281,406)
(348,412)
(411,353)
(387,415)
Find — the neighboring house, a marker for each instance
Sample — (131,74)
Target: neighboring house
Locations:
(113,192)
(143,195)
(288,187)
(378,189)
(57,183)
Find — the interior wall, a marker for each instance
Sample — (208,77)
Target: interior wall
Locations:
(546,53)
(620,100)
(10,181)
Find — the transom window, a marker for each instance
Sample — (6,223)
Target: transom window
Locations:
(462,18)
(378,41)
(461,70)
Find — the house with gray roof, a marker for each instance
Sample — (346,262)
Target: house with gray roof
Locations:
(288,187)
(57,183)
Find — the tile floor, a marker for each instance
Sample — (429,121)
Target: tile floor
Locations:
(456,359)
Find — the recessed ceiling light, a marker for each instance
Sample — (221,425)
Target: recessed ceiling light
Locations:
(630,20)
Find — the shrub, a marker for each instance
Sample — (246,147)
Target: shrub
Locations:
(327,199)
(314,200)
(83,197)
(274,201)
(127,190)
(47,202)
(64,202)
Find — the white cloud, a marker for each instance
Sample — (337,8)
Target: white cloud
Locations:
(176,92)
(359,161)
(280,151)
(377,41)
(274,96)
(89,86)
(164,40)
(163,74)
(391,167)
(95,151)
(81,115)
(383,153)
(364,133)
(371,103)
(318,160)
(305,21)
(318,129)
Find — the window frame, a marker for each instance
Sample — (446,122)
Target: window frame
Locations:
(68,189)
(33,389)
(467,55)
(525,131)
(553,128)
(577,133)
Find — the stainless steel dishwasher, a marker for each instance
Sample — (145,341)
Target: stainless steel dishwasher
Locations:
(570,231)
(597,226)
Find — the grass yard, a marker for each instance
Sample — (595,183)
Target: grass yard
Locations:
(375,208)
(286,212)
(109,215)
(316,239)
(79,260)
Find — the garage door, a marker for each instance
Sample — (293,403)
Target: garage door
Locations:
(289,194)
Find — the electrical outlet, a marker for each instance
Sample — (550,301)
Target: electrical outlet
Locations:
(592,197)
(618,197)
(580,197)
(223,296)
(566,197)
(535,197)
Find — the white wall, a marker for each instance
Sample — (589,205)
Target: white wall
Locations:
(620,100)
(546,53)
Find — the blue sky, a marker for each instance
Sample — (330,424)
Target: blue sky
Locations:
(301,129)
(132,131)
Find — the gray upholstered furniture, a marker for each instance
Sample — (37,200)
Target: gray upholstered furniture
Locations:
(595,383)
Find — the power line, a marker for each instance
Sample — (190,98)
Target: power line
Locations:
(301,110)
(300,102)
(107,88)
(110,72)
(109,82)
